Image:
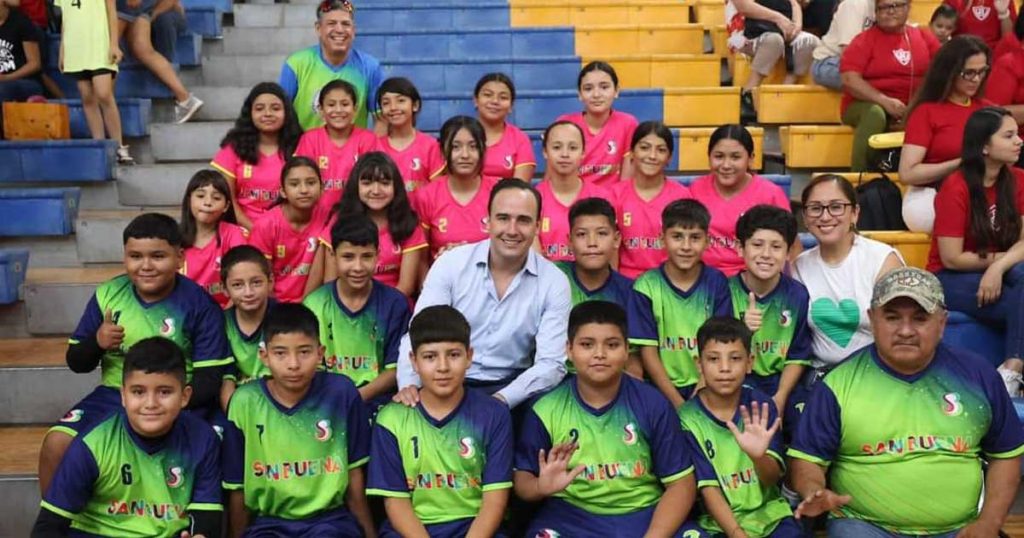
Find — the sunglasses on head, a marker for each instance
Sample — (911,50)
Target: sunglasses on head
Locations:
(332,5)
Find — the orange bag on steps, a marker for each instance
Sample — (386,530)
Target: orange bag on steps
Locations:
(36,121)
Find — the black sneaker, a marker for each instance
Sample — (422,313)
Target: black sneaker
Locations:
(748,114)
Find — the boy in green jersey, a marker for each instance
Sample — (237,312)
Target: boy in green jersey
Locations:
(145,471)
(248,280)
(733,431)
(681,294)
(444,467)
(297,440)
(603,450)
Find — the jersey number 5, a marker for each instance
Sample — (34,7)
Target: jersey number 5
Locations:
(126,474)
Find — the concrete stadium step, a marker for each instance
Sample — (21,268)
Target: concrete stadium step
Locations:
(29,369)
(380,17)
(193,141)
(70,287)
(19,487)
(155,184)
(46,251)
(99,233)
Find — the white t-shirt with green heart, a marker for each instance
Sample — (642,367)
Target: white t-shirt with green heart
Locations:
(840,297)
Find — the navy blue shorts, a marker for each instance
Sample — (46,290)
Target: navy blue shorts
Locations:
(338,523)
(93,409)
(558,518)
(450,529)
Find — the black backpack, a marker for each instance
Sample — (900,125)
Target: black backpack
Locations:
(881,205)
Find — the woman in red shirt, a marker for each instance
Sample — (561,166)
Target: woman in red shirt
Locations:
(951,91)
(881,69)
(977,246)
(988,19)
(1006,83)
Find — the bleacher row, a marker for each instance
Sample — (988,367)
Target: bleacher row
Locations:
(64,203)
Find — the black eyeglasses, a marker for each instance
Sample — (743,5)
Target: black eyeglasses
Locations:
(891,8)
(836,209)
(974,74)
(331,5)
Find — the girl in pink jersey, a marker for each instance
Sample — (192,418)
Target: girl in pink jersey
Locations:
(606,132)
(208,230)
(562,186)
(337,145)
(417,155)
(509,151)
(377,190)
(729,191)
(640,201)
(254,150)
(453,208)
(288,235)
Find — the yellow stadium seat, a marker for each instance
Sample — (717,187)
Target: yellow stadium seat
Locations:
(913,246)
(567,13)
(796,103)
(692,148)
(710,12)
(921,11)
(740,69)
(816,146)
(719,42)
(640,39)
(665,70)
(857,178)
(693,107)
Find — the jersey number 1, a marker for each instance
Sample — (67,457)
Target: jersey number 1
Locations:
(416,446)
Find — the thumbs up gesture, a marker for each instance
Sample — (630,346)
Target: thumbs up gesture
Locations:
(110,334)
(752,317)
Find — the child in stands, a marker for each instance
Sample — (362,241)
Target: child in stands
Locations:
(730,190)
(288,235)
(148,469)
(150,299)
(89,53)
(606,132)
(639,201)
(561,187)
(943,22)
(208,230)
(248,280)
(417,155)
(681,294)
(254,151)
(988,19)
(574,439)
(297,441)
(454,432)
(509,151)
(338,144)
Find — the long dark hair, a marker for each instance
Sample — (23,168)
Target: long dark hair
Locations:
(377,166)
(946,66)
(291,164)
(244,137)
(452,128)
(187,223)
(1000,233)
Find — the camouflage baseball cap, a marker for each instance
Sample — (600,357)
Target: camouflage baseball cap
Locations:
(913,283)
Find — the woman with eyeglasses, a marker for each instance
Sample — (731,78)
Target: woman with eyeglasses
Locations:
(952,91)
(840,272)
(988,19)
(978,244)
(881,69)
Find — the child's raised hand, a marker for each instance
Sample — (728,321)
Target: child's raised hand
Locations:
(1002,8)
(756,435)
(110,334)
(752,317)
(555,475)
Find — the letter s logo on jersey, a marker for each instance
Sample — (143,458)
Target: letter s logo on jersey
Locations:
(310,244)
(981,12)
(73,416)
(508,162)
(323,430)
(466,447)
(168,327)
(613,148)
(416,165)
(175,477)
(951,405)
(630,438)
(902,56)
(548,533)
(786,318)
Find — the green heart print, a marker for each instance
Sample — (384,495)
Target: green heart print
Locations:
(838,322)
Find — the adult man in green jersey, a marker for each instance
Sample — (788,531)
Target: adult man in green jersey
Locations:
(901,427)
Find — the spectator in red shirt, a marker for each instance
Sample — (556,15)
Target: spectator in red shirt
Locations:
(1006,83)
(881,69)
(952,90)
(987,19)
(977,246)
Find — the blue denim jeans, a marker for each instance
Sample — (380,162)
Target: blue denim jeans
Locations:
(1007,313)
(826,73)
(856,528)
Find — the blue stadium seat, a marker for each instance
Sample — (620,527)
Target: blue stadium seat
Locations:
(807,240)
(13,265)
(40,212)
(135,117)
(966,332)
(1018,405)
(205,21)
(550,73)
(499,42)
(188,52)
(56,160)
(224,6)
(782,180)
(432,15)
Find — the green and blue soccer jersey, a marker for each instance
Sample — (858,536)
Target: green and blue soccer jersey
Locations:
(630,449)
(188,316)
(305,73)
(784,337)
(293,464)
(245,348)
(443,466)
(679,314)
(907,448)
(112,482)
(719,462)
(360,344)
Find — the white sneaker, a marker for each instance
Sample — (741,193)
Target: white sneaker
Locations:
(1012,379)
(184,110)
(123,156)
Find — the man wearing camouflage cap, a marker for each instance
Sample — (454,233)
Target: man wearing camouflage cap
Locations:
(900,426)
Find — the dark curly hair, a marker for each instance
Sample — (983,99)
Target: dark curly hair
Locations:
(377,166)
(244,137)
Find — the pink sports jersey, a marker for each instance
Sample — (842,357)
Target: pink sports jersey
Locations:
(256,185)
(335,161)
(605,151)
(389,257)
(290,252)
(722,253)
(554,219)
(640,225)
(513,151)
(418,163)
(446,220)
(202,265)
